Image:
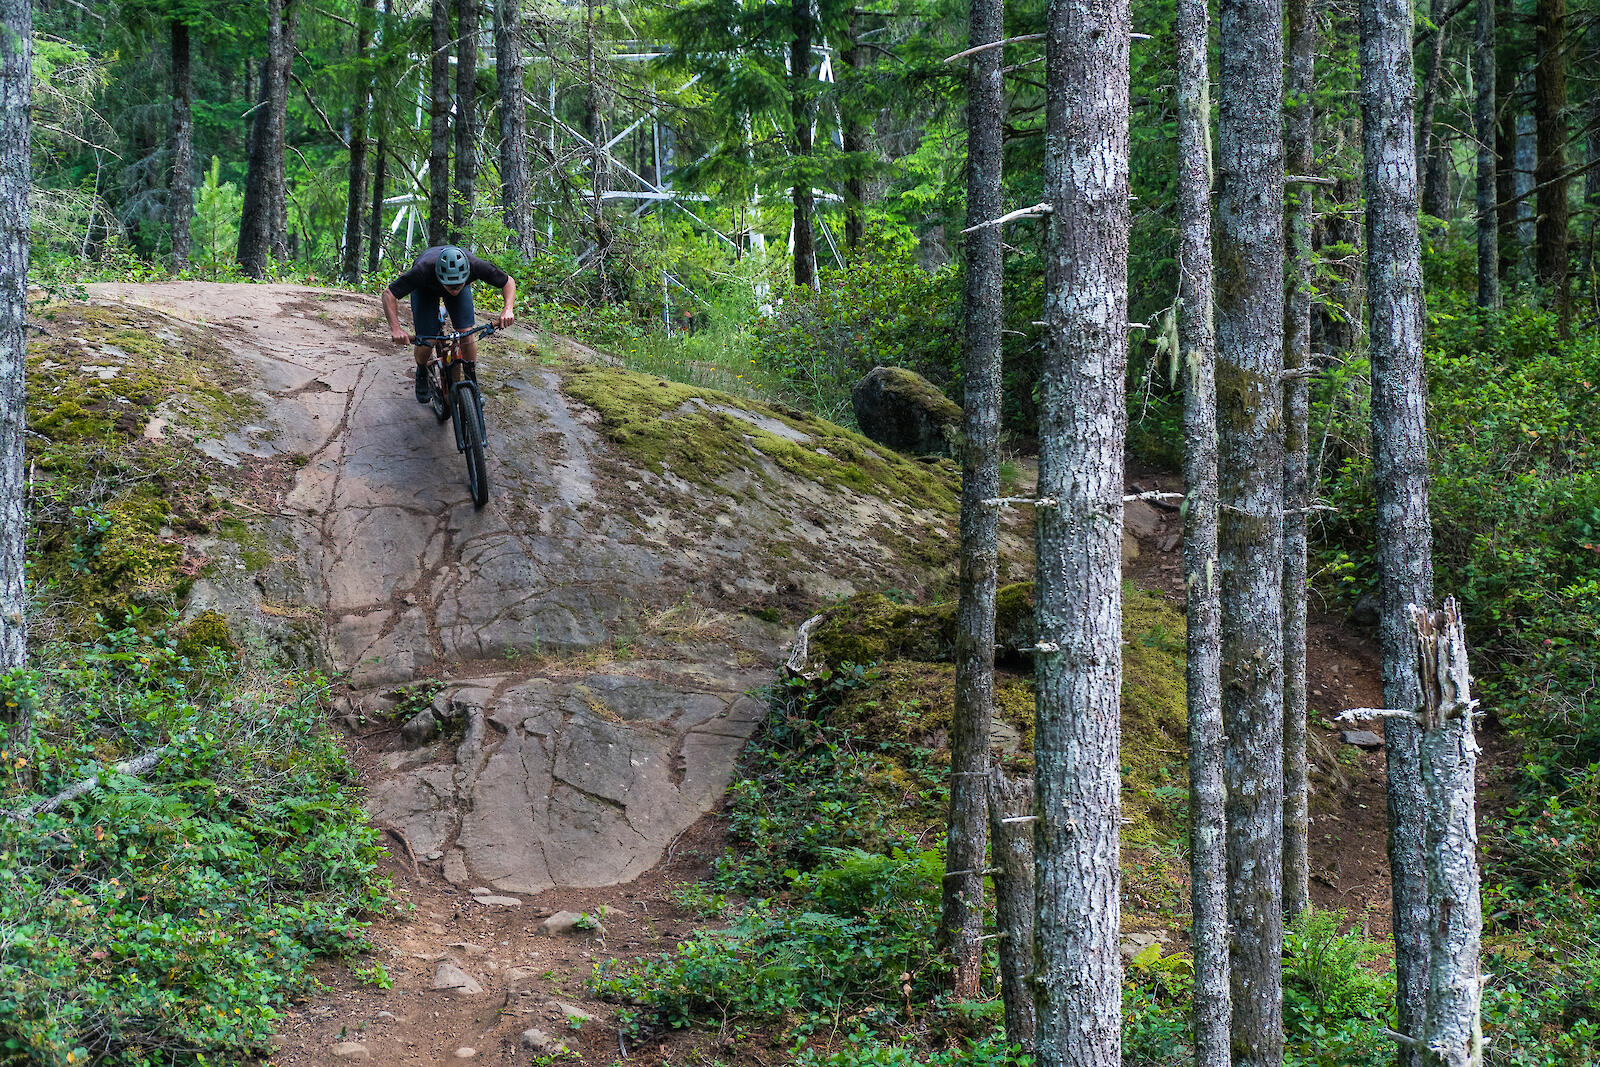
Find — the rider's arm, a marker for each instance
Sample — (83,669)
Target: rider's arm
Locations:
(509,291)
(391,310)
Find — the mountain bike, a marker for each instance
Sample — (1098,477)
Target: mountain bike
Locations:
(454,384)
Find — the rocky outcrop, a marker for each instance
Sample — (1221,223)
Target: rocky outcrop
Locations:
(903,410)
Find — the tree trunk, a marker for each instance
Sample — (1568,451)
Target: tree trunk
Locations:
(1454,1034)
(1550,106)
(1399,462)
(357,189)
(805,243)
(467,21)
(856,135)
(1013,898)
(376,237)
(439,126)
(1300,83)
(961,918)
(516,191)
(1197,348)
(1082,424)
(1249,284)
(16,61)
(1433,69)
(180,188)
(594,127)
(261,224)
(1483,125)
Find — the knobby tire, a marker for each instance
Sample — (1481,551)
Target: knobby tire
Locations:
(470,416)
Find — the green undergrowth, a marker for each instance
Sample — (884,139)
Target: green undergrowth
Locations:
(671,427)
(167,917)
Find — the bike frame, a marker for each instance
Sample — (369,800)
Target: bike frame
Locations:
(446,354)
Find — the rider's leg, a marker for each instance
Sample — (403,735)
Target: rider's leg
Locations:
(425,320)
(462,318)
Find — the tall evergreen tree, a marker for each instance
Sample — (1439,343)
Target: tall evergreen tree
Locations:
(1197,350)
(466,118)
(961,918)
(516,190)
(1399,464)
(16,65)
(361,88)
(1249,287)
(261,223)
(800,109)
(1550,173)
(1082,423)
(439,124)
(180,186)
(1484,127)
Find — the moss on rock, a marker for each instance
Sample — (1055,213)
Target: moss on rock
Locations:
(206,632)
(701,435)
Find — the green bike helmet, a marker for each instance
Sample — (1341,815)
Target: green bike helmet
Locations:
(452,267)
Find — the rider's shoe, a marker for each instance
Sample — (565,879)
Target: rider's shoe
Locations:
(424,393)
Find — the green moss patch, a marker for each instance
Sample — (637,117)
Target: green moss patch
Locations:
(668,426)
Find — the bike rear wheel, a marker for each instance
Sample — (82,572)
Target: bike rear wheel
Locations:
(469,416)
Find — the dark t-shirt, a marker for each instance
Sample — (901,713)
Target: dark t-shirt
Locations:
(420,278)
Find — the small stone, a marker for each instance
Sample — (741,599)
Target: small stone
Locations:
(420,727)
(540,1043)
(447,976)
(321,1011)
(469,948)
(351,723)
(434,856)
(503,902)
(351,1050)
(1135,943)
(1364,739)
(520,974)
(572,1012)
(385,1016)
(566,922)
(455,867)
(465,1053)
(481,891)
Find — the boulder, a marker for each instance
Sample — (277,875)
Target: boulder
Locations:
(1364,739)
(903,410)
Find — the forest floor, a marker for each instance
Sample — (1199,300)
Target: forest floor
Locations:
(582,767)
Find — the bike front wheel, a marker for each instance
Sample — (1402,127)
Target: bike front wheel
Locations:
(469,420)
(441,406)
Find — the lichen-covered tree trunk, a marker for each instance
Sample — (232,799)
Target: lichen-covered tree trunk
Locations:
(16,60)
(439,125)
(356,196)
(1483,124)
(516,187)
(1013,898)
(1249,302)
(1208,870)
(1549,175)
(376,238)
(261,222)
(1399,461)
(466,121)
(805,242)
(1082,424)
(180,186)
(1454,1032)
(961,914)
(1299,84)
(1196,342)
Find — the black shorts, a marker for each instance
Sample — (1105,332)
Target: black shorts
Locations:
(425,311)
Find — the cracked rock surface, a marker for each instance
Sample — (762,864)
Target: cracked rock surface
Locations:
(579,735)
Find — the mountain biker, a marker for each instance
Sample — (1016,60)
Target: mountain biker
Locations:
(444,273)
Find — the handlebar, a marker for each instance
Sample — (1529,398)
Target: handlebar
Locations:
(486,329)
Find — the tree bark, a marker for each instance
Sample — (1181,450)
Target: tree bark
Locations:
(1300,82)
(180,188)
(261,224)
(961,917)
(376,237)
(1454,1033)
(516,190)
(467,22)
(1433,69)
(16,61)
(1013,896)
(594,127)
(1082,425)
(1483,124)
(1550,106)
(856,134)
(805,242)
(1399,461)
(350,268)
(439,126)
(1197,349)
(1249,283)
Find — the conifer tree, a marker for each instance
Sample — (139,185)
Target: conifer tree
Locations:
(16,51)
